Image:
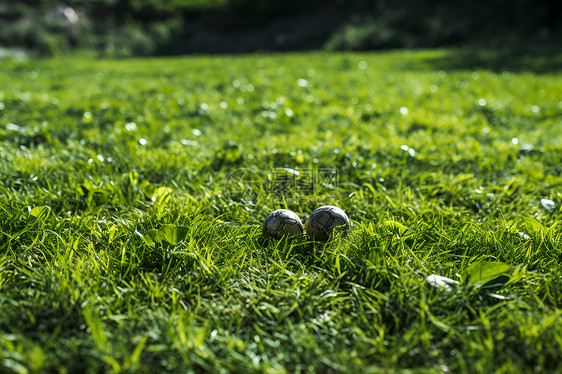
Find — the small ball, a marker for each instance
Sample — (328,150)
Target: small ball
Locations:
(282,222)
(324,220)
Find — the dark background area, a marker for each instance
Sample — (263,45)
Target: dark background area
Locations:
(121,28)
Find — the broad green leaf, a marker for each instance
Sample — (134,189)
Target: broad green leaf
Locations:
(41,213)
(533,226)
(169,233)
(487,274)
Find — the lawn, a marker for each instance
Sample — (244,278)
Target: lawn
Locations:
(133,193)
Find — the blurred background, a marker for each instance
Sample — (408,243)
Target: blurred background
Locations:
(123,28)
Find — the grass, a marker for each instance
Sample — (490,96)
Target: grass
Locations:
(125,245)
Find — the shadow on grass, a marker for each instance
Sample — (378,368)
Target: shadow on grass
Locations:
(535,59)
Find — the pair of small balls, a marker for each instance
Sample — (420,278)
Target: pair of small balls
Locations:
(319,226)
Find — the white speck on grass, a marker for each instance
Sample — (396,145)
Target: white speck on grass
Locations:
(188,142)
(535,109)
(548,204)
(240,101)
(143,141)
(223,105)
(131,126)
(100,157)
(515,141)
(524,236)
(196,132)
(404,111)
(363,65)
(289,112)
(482,102)
(410,151)
(439,281)
(527,147)
(434,88)
(204,106)
(292,171)
(13,127)
(302,82)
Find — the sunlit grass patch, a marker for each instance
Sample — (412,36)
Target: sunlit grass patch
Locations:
(133,194)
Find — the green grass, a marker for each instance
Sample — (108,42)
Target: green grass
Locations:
(124,249)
